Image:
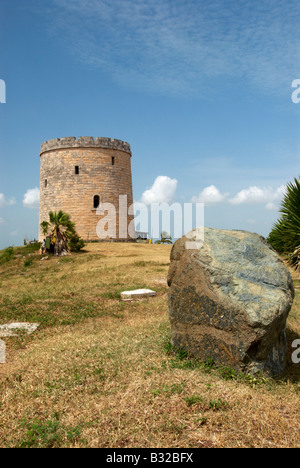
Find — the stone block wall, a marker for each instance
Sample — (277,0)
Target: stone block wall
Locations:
(74,171)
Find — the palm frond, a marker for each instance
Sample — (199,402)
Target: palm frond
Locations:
(285,234)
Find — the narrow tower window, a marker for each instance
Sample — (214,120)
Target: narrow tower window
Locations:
(113,161)
(46,183)
(96,201)
(76,170)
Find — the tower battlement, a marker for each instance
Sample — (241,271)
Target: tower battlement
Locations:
(85,142)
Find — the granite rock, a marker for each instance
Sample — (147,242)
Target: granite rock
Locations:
(229,301)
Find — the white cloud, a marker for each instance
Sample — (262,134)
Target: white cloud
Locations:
(32,198)
(256,194)
(1,220)
(270,206)
(162,191)
(210,196)
(5,202)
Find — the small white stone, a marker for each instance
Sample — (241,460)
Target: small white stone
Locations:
(137,294)
(2,352)
(13,329)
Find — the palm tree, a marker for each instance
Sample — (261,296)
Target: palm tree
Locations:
(285,235)
(60,228)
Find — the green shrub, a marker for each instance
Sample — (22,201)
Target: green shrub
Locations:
(28,262)
(7,255)
(27,249)
(76,243)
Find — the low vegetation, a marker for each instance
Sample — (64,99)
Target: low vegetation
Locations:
(285,235)
(100,372)
(13,252)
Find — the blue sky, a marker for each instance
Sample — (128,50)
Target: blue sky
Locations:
(200,89)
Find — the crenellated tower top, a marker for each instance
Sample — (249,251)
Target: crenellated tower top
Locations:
(85,142)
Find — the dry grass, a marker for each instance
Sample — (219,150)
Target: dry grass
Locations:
(101,373)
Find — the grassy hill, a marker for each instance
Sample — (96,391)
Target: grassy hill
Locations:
(100,372)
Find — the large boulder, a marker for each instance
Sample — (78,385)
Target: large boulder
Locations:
(229,300)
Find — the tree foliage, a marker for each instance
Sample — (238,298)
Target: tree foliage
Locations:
(59,224)
(76,243)
(63,229)
(285,235)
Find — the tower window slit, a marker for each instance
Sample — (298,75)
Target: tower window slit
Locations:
(96,201)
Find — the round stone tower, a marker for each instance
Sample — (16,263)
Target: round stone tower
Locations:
(87,178)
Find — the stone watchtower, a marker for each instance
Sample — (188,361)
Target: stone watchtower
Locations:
(80,175)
